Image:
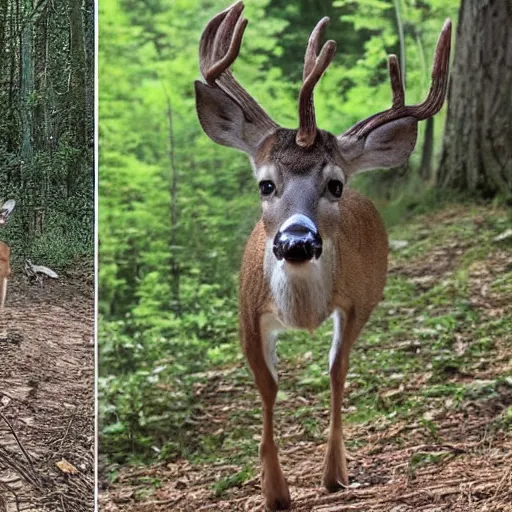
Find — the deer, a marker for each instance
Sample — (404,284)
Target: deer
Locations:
(5,252)
(320,249)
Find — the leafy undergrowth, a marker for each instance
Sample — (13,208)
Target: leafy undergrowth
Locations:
(428,408)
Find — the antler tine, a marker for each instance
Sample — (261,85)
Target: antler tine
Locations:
(313,47)
(434,100)
(222,40)
(439,83)
(397,85)
(314,66)
(218,49)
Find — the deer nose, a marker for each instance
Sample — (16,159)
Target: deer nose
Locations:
(297,240)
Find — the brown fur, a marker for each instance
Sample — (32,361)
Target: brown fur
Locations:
(5,271)
(281,149)
(362,249)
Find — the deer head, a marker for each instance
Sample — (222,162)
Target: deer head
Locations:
(318,250)
(302,172)
(6,210)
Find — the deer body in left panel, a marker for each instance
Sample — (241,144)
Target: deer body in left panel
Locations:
(5,252)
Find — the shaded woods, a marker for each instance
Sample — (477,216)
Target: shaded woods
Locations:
(175,209)
(46,129)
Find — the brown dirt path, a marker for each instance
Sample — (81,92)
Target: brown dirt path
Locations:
(468,469)
(46,396)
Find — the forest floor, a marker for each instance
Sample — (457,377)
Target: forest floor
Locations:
(428,408)
(46,395)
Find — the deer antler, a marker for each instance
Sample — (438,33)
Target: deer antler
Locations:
(219,47)
(315,63)
(432,103)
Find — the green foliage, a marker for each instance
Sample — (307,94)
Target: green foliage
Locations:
(234,480)
(46,130)
(167,284)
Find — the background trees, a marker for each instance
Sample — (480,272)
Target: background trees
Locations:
(477,154)
(46,129)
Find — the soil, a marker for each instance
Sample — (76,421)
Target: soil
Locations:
(47,395)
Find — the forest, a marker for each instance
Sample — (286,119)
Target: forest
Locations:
(175,211)
(47,60)
(47,129)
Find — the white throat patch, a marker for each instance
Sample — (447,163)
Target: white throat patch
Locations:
(301,293)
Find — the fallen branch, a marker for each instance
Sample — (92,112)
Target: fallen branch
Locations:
(32,271)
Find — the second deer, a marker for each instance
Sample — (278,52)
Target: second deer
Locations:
(5,252)
(320,248)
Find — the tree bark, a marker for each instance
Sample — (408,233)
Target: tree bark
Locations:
(77,100)
(27,84)
(428,151)
(173,261)
(477,152)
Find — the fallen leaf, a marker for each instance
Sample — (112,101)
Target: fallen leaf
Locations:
(66,467)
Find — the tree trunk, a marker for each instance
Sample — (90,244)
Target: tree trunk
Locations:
(173,261)
(428,151)
(27,84)
(477,152)
(77,101)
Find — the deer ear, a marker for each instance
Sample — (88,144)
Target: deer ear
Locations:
(223,120)
(387,146)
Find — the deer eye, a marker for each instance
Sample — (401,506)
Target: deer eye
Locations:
(267,187)
(335,188)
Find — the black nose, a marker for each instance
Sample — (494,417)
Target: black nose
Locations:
(297,240)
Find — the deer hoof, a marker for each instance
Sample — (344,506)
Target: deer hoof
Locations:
(277,495)
(282,503)
(335,475)
(333,485)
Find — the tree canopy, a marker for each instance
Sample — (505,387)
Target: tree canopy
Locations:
(47,128)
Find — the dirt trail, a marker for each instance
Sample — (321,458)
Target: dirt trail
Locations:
(468,469)
(46,396)
(452,452)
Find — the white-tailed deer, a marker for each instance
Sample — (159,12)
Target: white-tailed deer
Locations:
(5,252)
(320,249)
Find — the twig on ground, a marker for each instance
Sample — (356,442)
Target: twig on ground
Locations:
(67,430)
(25,453)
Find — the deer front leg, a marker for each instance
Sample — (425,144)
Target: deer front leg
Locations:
(335,466)
(3,291)
(3,294)
(258,346)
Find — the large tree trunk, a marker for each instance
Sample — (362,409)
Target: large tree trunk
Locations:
(477,152)
(77,99)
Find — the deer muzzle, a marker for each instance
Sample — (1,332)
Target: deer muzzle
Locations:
(297,240)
